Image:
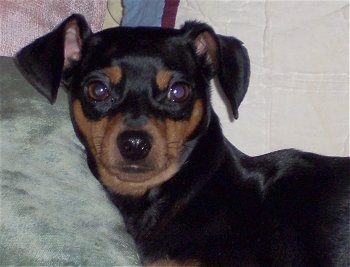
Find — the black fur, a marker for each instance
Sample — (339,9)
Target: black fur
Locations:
(222,208)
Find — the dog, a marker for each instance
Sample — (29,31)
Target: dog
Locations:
(140,104)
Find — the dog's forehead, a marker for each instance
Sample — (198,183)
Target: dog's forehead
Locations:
(145,48)
(123,41)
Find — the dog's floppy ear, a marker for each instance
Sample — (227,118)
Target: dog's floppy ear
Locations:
(229,58)
(43,61)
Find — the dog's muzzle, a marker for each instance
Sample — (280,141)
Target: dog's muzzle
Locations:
(134,145)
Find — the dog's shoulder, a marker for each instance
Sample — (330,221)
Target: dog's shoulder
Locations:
(292,165)
(290,171)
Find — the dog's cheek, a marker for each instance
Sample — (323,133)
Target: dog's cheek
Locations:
(110,155)
(80,120)
(196,118)
(178,132)
(92,132)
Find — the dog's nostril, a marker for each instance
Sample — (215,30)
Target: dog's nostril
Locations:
(134,145)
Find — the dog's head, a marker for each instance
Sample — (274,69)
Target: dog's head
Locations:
(140,97)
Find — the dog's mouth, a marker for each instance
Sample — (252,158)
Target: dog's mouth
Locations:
(135,168)
(135,172)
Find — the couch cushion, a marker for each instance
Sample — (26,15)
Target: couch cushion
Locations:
(53,211)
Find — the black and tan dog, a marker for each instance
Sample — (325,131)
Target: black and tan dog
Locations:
(140,103)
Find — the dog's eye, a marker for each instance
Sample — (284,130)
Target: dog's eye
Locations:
(179,92)
(98,91)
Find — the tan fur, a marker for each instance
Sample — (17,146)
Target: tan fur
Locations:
(163,160)
(163,78)
(114,73)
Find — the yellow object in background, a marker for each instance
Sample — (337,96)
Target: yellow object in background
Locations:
(113,14)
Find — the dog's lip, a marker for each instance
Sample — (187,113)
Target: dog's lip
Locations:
(135,168)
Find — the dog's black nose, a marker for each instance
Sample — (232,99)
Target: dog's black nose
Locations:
(134,145)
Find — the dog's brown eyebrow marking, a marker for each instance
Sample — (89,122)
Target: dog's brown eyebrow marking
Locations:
(114,73)
(163,78)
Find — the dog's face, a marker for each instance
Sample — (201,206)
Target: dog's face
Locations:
(136,105)
(140,97)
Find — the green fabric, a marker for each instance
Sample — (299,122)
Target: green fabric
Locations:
(53,211)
